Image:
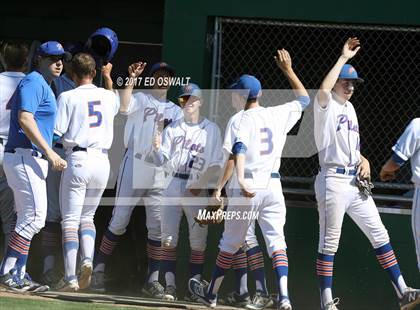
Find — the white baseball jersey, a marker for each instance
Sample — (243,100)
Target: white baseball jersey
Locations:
(264,131)
(192,148)
(336,134)
(408,147)
(85,117)
(8,83)
(232,128)
(146,115)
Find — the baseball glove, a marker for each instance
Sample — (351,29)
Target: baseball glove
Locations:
(365,185)
(212,214)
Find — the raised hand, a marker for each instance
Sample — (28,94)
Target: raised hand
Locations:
(283,60)
(350,48)
(106,70)
(135,69)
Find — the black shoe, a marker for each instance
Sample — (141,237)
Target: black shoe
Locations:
(235,300)
(153,290)
(34,287)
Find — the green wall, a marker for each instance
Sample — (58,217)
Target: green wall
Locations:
(186,23)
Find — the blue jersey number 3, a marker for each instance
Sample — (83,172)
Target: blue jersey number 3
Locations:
(93,113)
(266,138)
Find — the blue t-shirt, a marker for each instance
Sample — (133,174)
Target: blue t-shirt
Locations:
(33,95)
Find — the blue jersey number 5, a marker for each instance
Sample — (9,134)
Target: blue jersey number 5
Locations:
(93,113)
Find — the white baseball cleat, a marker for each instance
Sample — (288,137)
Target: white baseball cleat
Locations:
(169,293)
(68,286)
(410,298)
(284,305)
(85,276)
(332,304)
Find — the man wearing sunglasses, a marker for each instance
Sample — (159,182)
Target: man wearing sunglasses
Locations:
(27,153)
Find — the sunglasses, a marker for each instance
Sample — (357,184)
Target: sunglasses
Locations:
(184,99)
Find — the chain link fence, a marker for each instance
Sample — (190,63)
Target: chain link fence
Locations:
(388,61)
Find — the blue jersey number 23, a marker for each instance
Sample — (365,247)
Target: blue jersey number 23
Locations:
(93,113)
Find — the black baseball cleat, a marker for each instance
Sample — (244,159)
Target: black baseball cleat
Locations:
(410,298)
(153,290)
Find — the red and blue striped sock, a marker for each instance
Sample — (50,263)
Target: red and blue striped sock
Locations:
(154,256)
(196,264)
(256,265)
(324,271)
(70,249)
(386,257)
(168,265)
(108,244)
(240,265)
(16,253)
(281,268)
(223,263)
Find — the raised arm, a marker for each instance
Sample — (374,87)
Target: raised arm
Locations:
(134,71)
(350,49)
(106,73)
(284,62)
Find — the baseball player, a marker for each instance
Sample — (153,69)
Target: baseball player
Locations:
(147,113)
(338,143)
(253,256)
(15,56)
(191,150)
(85,123)
(257,150)
(408,147)
(51,233)
(27,152)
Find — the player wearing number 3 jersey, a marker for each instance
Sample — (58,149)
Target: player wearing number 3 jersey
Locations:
(85,122)
(257,150)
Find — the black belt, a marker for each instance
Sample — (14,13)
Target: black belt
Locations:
(33,153)
(59,146)
(273,175)
(183,176)
(79,149)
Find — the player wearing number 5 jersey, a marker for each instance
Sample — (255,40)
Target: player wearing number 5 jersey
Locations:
(338,143)
(258,146)
(85,123)
(192,151)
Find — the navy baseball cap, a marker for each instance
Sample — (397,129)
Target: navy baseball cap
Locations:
(52,48)
(248,82)
(161,66)
(349,73)
(190,89)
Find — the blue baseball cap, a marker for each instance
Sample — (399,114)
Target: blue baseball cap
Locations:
(349,73)
(190,89)
(53,48)
(248,82)
(161,66)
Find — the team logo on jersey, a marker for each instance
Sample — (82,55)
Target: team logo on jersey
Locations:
(343,119)
(188,144)
(158,118)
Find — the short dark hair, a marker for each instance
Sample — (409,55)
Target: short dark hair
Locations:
(83,65)
(15,54)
